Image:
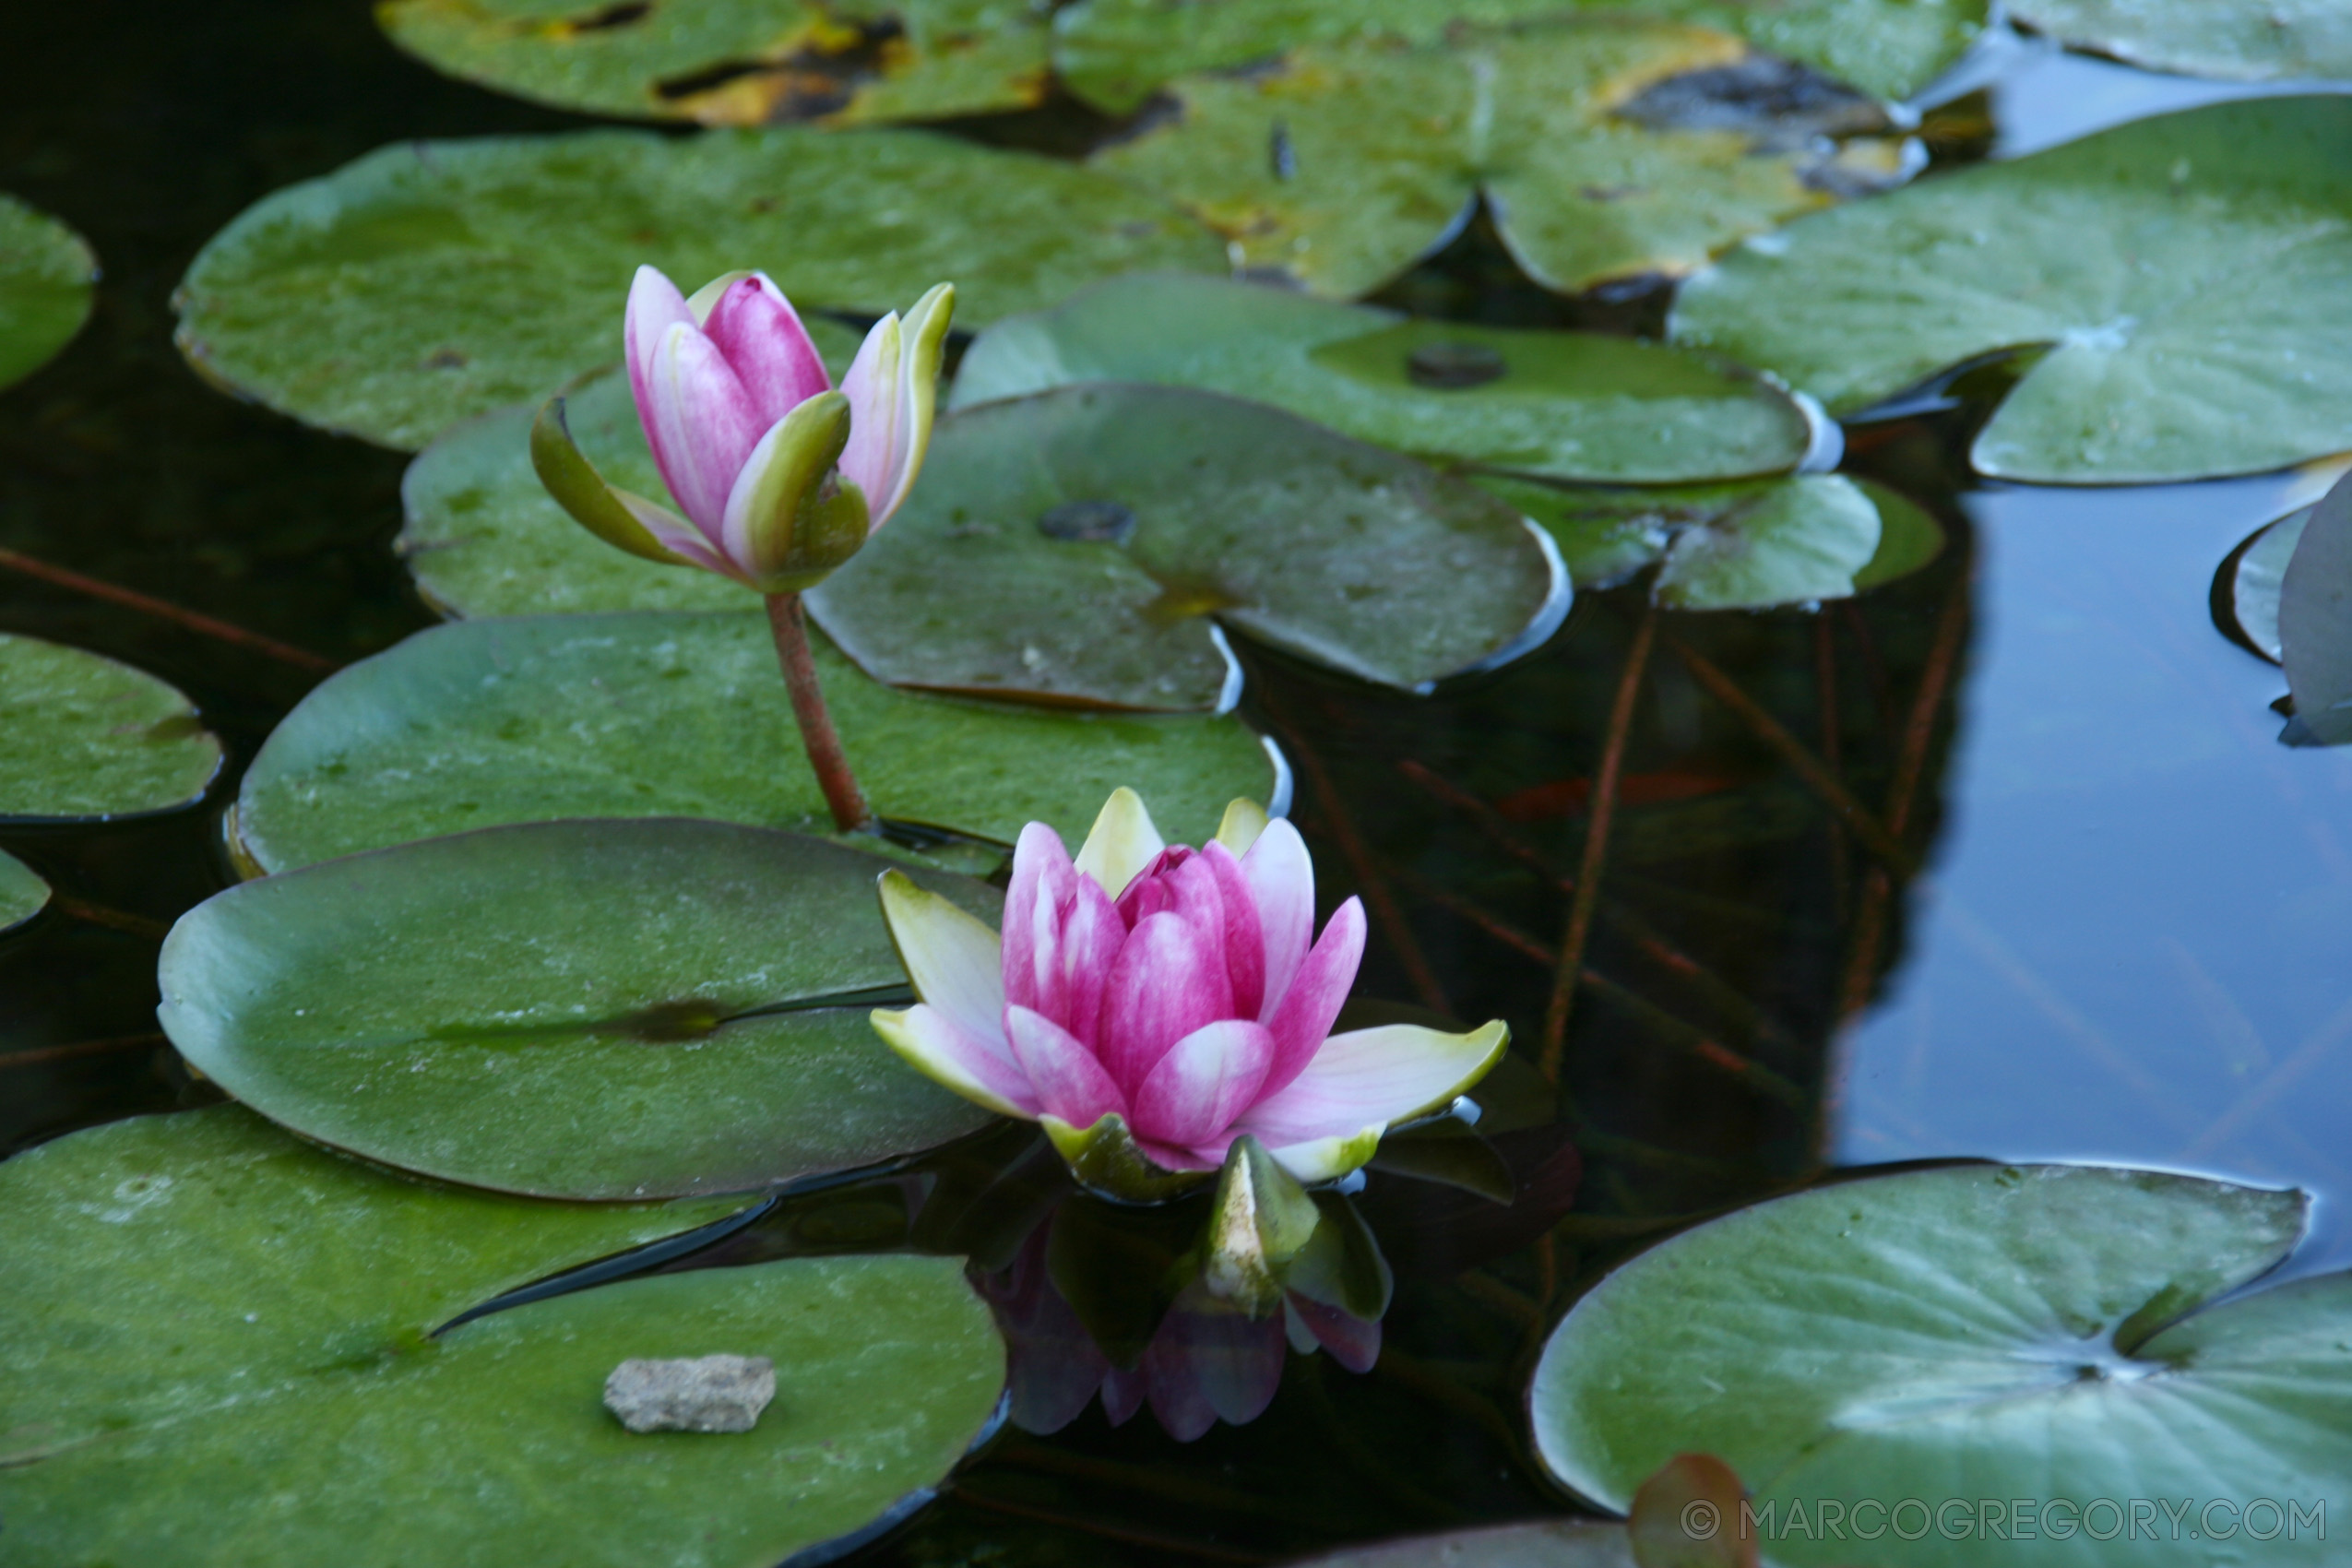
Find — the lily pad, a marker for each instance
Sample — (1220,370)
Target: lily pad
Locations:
(1751,546)
(22,892)
(652,714)
(1113,52)
(219,1355)
(2247,595)
(83,737)
(2004,1331)
(1341,164)
(46,278)
(432,280)
(739,62)
(2176,278)
(1566,405)
(2315,624)
(1097,534)
(2236,40)
(646,1008)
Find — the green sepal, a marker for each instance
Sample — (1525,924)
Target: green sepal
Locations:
(1341,1264)
(593,504)
(1106,1160)
(802,521)
(1261,1220)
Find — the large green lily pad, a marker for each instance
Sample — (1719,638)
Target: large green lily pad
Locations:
(2004,1331)
(2315,624)
(22,892)
(47,275)
(84,737)
(1113,52)
(653,713)
(626,1009)
(1566,405)
(2239,39)
(2180,275)
(739,62)
(1749,546)
(219,1356)
(1341,164)
(430,280)
(1095,535)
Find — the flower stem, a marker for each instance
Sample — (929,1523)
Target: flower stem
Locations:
(850,813)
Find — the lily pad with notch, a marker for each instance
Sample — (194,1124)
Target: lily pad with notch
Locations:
(430,280)
(228,1349)
(2315,624)
(1242,516)
(1564,405)
(22,892)
(2172,280)
(2042,1331)
(2234,40)
(83,738)
(47,274)
(2246,588)
(653,713)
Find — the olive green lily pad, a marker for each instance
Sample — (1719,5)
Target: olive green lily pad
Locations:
(2236,40)
(47,275)
(1113,52)
(2005,1332)
(2178,278)
(219,1356)
(739,62)
(1097,534)
(2315,624)
(22,892)
(84,737)
(1749,546)
(652,714)
(432,280)
(1565,405)
(640,1008)
(2251,578)
(1341,164)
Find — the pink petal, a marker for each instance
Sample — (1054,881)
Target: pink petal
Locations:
(1206,1361)
(957,1058)
(1068,1081)
(872,385)
(1353,1342)
(1372,1078)
(1161,987)
(1123,1396)
(1244,941)
(1092,934)
(761,335)
(655,306)
(700,423)
(1042,877)
(1302,1018)
(1148,892)
(1204,1083)
(1282,883)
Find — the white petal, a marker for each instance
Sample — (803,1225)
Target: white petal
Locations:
(955,962)
(957,1060)
(1244,820)
(1373,1079)
(1121,843)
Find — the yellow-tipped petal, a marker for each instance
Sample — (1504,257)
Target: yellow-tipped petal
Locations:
(1327,1159)
(1121,843)
(955,962)
(1244,820)
(924,344)
(929,1044)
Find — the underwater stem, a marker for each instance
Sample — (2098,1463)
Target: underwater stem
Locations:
(841,792)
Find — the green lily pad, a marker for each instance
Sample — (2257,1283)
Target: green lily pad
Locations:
(1097,534)
(2038,1332)
(1566,405)
(2178,276)
(22,892)
(1341,164)
(2251,578)
(739,62)
(652,714)
(1749,546)
(1113,52)
(432,280)
(219,1356)
(2236,40)
(47,276)
(627,1009)
(84,737)
(2315,624)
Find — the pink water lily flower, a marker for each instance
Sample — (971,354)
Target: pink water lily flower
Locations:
(1148,1006)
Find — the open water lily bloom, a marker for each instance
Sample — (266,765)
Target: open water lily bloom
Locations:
(1149,1006)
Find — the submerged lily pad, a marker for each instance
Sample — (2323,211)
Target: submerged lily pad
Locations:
(627,1009)
(430,280)
(22,892)
(2038,1332)
(1095,536)
(46,278)
(739,62)
(2178,277)
(2247,595)
(2315,624)
(1341,164)
(84,737)
(2237,39)
(219,1356)
(487,722)
(1566,405)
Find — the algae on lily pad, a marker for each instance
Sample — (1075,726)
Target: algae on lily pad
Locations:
(2315,624)
(739,62)
(2234,40)
(430,280)
(22,892)
(1564,405)
(46,278)
(652,714)
(2036,1332)
(1341,164)
(638,1008)
(1096,535)
(83,737)
(222,1356)
(2178,281)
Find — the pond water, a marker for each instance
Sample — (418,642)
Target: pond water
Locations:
(2125,942)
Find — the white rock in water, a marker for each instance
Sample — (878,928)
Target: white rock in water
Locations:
(703,1394)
